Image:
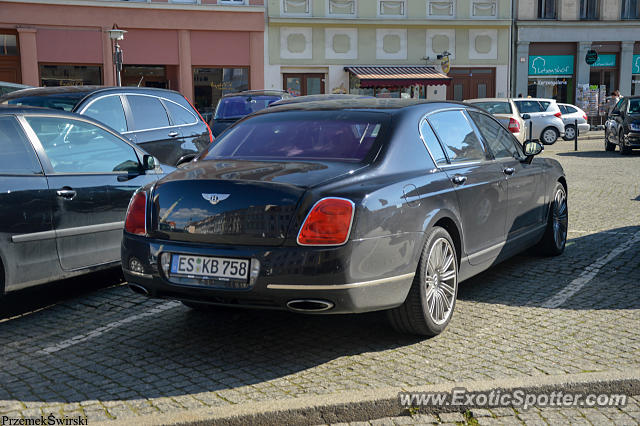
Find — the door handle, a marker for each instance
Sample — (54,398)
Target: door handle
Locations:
(509,171)
(66,193)
(459,179)
(173,134)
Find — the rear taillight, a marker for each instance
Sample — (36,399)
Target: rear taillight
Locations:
(514,126)
(558,114)
(136,223)
(584,116)
(202,119)
(328,223)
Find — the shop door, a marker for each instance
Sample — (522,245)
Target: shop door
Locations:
(303,84)
(9,58)
(471,83)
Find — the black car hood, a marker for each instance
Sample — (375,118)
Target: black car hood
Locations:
(298,173)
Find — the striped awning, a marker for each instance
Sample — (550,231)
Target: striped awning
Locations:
(398,75)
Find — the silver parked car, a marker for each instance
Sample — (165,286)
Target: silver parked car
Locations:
(506,112)
(545,118)
(571,113)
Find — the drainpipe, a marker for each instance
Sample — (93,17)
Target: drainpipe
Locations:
(512,57)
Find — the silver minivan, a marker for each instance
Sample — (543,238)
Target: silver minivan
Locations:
(545,118)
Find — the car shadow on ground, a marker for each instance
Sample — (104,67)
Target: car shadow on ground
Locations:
(119,348)
(597,154)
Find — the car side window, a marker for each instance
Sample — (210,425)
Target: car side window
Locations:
(179,114)
(570,109)
(148,112)
(457,136)
(16,153)
(75,146)
(527,107)
(499,140)
(618,106)
(432,143)
(563,109)
(109,111)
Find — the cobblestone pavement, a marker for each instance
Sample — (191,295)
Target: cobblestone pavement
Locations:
(627,415)
(114,354)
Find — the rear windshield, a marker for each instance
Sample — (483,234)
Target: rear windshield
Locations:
(494,107)
(302,135)
(64,101)
(239,106)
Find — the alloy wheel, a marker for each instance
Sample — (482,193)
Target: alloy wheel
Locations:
(569,132)
(560,218)
(441,281)
(549,136)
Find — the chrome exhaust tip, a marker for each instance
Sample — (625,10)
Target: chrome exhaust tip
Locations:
(137,288)
(309,305)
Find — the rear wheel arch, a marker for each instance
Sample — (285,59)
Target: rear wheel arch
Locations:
(450,226)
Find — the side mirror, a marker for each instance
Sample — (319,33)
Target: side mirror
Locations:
(525,116)
(148,162)
(532,148)
(185,159)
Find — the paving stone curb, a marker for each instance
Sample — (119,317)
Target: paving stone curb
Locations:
(382,402)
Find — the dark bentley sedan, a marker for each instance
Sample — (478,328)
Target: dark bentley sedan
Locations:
(161,121)
(65,184)
(344,207)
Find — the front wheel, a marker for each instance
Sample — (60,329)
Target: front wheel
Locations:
(555,236)
(569,133)
(624,150)
(549,136)
(608,146)
(429,305)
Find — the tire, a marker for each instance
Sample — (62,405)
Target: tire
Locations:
(431,301)
(569,132)
(549,136)
(608,146)
(624,150)
(554,239)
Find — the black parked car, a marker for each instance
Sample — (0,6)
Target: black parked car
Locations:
(623,126)
(234,106)
(327,97)
(65,184)
(161,121)
(346,206)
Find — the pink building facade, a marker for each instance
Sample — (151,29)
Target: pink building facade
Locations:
(202,49)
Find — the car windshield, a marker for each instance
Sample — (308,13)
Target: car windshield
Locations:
(634,106)
(64,101)
(495,107)
(309,135)
(239,106)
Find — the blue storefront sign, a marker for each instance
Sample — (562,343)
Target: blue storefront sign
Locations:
(605,61)
(551,65)
(636,65)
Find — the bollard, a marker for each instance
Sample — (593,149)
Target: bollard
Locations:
(530,130)
(575,138)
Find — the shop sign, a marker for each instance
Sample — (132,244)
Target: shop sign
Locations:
(551,65)
(551,82)
(636,65)
(591,57)
(445,64)
(605,61)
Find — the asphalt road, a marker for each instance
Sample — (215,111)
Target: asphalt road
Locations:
(90,347)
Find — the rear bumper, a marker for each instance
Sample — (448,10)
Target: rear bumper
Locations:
(351,278)
(584,128)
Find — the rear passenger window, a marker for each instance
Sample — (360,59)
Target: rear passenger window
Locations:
(16,153)
(148,112)
(526,107)
(432,143)
(457,136)
(179,114)
(109,111)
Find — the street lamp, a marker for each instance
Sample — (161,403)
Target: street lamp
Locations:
(117,34)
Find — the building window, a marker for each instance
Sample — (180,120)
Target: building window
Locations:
(484,8)
(70,75)
(342,7)
(589,9)
(547,9)
(630,9)
(391,8)
(296,7)
(209,84)
(233,2)
(8,46)
(436,8)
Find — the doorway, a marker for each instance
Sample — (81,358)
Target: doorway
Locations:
(471,83)
(10,57)
(303,84)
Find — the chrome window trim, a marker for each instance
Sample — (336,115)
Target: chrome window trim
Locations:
(92,101)
(361,284)
(160,98)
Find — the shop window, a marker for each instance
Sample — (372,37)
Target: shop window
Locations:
(233,2)
(391,8)
(547,9)
(209,84)
(630,9)
(589,10)
(70,75)
(342,7)
(437,8)
(296,7)
(8,45)
(484,9)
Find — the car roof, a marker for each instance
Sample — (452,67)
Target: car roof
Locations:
(46,91)
(323,97)
(257,92)
(488,100)
(22,109)
(536,99)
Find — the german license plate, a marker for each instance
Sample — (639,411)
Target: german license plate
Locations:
(209,267)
